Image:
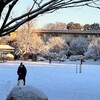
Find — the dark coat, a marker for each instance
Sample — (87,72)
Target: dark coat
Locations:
(81,61)
(21,72)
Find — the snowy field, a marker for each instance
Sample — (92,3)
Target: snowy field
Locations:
(59,81)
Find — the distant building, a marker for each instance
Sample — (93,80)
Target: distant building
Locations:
(4,50)
(68,35)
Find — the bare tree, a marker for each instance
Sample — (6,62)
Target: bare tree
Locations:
(72,25)
(95,26)
(86,27)
(38,7)
(56,26)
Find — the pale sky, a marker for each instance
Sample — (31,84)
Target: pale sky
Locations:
(82,15)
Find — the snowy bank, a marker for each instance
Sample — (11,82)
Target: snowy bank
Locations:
(26,93)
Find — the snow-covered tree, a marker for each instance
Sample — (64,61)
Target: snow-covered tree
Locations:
(28,42)
(93,49)
(57,48)
(37,44)
(45,51)
(55,43)
(78,46)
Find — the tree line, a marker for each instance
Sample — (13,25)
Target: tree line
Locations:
(29,45)
(57,48)
(72,26)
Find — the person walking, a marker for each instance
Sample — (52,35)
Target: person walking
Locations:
(21,72)
(81,62)
(49,60)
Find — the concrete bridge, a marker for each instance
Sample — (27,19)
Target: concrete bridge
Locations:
(68,35)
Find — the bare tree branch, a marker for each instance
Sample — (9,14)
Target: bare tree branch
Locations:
(8,13)
(43,6)
(3,3)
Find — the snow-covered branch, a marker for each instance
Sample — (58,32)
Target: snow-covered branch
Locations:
(39,7)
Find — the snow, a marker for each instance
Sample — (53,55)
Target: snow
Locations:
(59,81)
(26,93)
(6,47)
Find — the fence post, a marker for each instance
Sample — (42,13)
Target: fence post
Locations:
(76,68)
(80,69)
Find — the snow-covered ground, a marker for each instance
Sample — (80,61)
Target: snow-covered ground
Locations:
(59,81)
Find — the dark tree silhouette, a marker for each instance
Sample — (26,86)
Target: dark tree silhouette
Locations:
(38,7)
